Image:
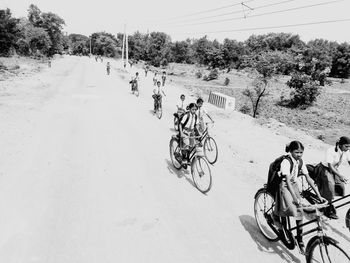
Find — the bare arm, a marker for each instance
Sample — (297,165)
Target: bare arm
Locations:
(335,171)
(313,186)
(291,189)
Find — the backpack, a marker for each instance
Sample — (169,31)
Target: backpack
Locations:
(187,113)
(273,179)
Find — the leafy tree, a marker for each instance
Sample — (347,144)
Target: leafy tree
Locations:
(158,48)
(8,31)
(182,52)
(341,62)
(32,39)
(34,16)
(53,24)
(305,90)
(79,44)
(104,44)
(263,70)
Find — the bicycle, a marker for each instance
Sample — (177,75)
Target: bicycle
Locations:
(200,170)
(134,87)
(108,70)
(177,117)
(320,248)
(158,106)
(210,147)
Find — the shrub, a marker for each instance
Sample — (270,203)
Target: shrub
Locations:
(227,81)
(245,109)
(199,74)
(214,74)
(305,90)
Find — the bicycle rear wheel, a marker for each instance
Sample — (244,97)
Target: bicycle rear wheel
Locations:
(327,251)
(159,112)
(210,150)
(175,153)
(263,208)
(201,174)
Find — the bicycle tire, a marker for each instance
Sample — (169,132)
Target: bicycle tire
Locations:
(159,112)
(176,123)
(317,253)
(197,165)
(210,145)
(174,149)
(263,209)
(347,219)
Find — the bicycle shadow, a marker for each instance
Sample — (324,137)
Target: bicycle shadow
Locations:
(179,173)
(263,244)
(338,232)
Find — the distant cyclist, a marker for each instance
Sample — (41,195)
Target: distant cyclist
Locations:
(146,70)
(135,83)
(157,96)
(155,79)
(180,106)
(108,68)
(163,78)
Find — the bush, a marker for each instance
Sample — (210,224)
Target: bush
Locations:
(245,109)
(227,81)
(214,74)
(199,74)
(305,91)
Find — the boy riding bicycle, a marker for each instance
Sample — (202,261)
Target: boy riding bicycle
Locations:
(157,96)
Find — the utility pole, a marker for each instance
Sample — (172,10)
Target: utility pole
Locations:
(123,48)
(90,46)
(127,49)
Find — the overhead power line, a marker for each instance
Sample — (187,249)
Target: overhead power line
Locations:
(273,27)
(235,12)
(262,14)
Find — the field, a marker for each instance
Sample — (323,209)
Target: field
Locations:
(327,119)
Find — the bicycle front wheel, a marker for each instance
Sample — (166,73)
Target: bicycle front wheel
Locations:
(327,251)
(210,150)
(176,123)
(201,174)
(175,153)
(263,208)
(159,112)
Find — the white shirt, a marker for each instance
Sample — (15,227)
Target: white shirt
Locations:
(201,113)
(285,168)
(191,121)
(180,104)
(336,158)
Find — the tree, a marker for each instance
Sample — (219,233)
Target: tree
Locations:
(305,90)
(104,44)
(8,31)
(263,70)
(79,44)
(32,39)
(341,62)
(53,24)
(34,16)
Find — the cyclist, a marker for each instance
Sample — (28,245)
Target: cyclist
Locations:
(187,128)
(163,78)
(180,105)
(157,96)
(146,70)
(155,79)
(108,68)
(328,178)
(135,82)
(288,199)
(201,114)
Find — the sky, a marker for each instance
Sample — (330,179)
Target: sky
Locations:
(183,19)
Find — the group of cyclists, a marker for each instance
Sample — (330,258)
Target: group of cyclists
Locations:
(324,179)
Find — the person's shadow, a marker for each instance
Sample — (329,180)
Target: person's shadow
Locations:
(180,173)
(265,245)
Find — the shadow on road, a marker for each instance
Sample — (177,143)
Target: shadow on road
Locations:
(179,173)
(263,244)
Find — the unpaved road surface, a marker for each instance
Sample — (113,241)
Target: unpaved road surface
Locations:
(85,176)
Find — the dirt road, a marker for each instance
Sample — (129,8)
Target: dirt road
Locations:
(85,176)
